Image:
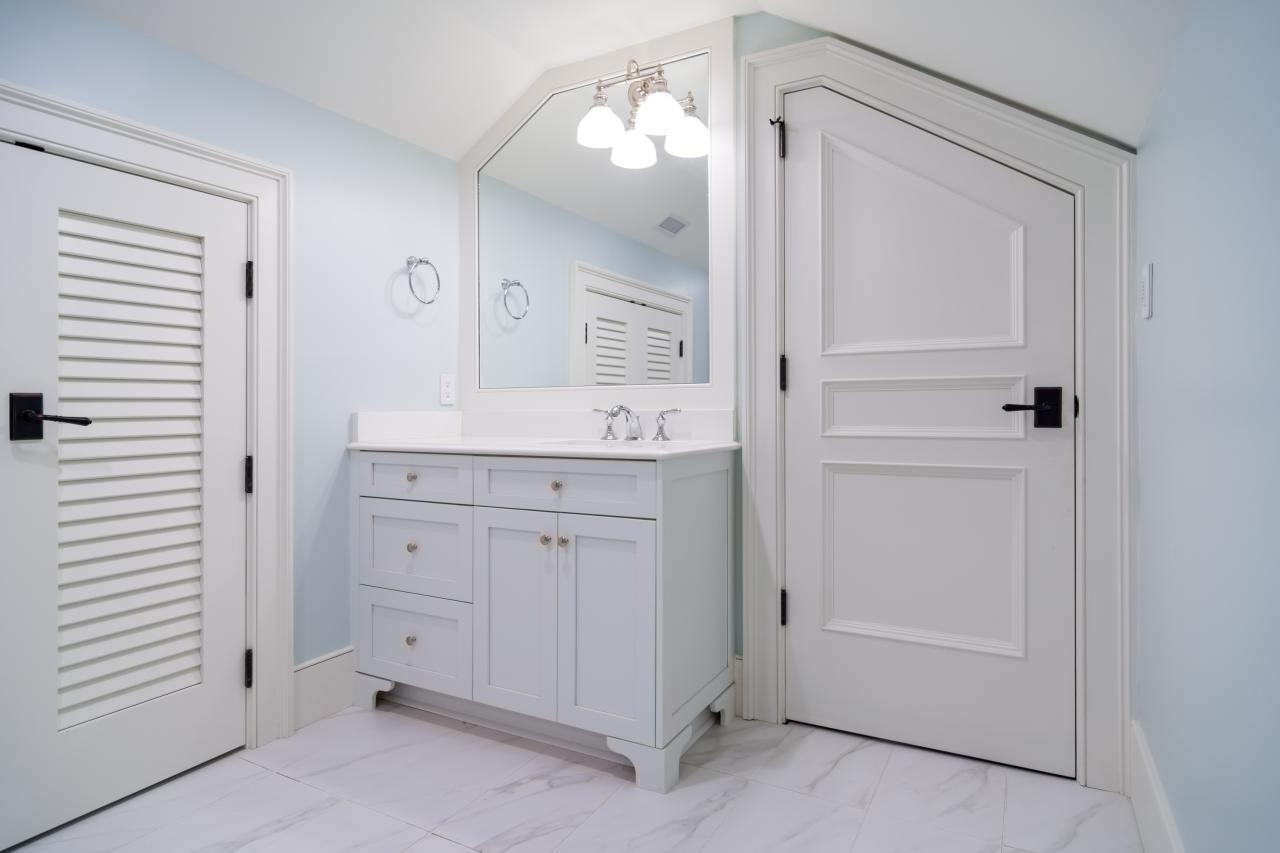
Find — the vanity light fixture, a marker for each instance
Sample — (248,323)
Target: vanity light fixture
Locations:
(690,137)
(634,150)
(654,112)
(658,112)
(600,127)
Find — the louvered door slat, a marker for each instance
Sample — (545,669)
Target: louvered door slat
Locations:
(130,519)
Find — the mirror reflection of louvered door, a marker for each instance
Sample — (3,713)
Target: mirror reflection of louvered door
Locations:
(632,344)
(122,617)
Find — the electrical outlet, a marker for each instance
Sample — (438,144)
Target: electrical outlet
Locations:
(448,389)
(1146,291)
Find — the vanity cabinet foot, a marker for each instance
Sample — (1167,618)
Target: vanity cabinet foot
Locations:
(657,768)
(365,690)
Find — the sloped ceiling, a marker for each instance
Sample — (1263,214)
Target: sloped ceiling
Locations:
(439,72)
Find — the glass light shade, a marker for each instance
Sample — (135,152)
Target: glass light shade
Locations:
(599,128)
(634,150)
(659,113)
(690,138)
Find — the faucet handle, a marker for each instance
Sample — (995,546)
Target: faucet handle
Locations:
(661,434)
(609,415)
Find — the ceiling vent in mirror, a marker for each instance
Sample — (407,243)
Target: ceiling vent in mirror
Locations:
(672,225)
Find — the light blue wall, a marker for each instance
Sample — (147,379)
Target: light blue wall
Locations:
(1207,672)
(362,202)
(526,238)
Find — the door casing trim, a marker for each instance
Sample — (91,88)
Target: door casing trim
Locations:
(67,129)
(1099,177)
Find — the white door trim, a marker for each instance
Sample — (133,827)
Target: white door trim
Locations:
(621,287)
(1098,176)
(85,134)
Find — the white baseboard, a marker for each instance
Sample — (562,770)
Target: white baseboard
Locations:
(322,686)
(1150,803)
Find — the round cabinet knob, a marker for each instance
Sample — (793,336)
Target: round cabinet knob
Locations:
(556,485)
(564,541)
(412,476)
(410,640)
(545,539)
(411,547)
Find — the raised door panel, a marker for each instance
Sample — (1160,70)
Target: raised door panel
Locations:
(415,639)
(515,610)
(416,547)
(607,626)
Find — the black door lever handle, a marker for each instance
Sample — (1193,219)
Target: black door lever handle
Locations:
(1047,408)
(31,416)
(27,417)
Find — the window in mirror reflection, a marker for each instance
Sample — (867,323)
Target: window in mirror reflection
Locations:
(612,260)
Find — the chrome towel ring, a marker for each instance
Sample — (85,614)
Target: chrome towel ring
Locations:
(508,285)
(411,264)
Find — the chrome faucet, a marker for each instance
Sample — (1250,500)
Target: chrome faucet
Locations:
(634,431)
(661,434)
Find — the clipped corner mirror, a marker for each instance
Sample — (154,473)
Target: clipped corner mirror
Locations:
(592,241)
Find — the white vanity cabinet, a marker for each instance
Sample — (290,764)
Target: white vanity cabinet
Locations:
(584,601)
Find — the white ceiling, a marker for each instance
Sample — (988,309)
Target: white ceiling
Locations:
(439,73)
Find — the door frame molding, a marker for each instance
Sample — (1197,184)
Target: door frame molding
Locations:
(67,129)
(1099,177)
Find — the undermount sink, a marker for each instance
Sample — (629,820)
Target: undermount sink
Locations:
(600,442)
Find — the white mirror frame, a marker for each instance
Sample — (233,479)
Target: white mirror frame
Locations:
(716,40)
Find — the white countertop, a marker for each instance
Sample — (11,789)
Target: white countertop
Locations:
(577,448)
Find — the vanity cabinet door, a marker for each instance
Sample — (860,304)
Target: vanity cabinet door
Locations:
(607,625)
(515,610)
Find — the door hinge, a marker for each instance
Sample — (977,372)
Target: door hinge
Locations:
(782,373)
(1077,406)
(248,475)
(248,279)
(248,667)
(782,607)
(782,136)
(682,349)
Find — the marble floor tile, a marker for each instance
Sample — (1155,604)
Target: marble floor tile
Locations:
(427,782)
(738,748)
(945,792)
(132,818)
(535,808)
(884,834)
(353,735)
(273,813)
(680,821)
(839,767)
(436,844)
(766,819)
(1047,814)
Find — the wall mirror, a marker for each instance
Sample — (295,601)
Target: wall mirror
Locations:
(592,236)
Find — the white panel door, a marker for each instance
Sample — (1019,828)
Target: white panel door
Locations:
(608,574)
(122,617)
(515,610)
(929,533)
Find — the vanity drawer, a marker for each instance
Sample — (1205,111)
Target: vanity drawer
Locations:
(415,639)
(415,476)
(587,486)
(416,547)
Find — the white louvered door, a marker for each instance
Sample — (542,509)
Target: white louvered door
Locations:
(122,618)
(632,344)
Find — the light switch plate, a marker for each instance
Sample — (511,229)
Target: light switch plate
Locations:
(1146,289)
(448,389)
